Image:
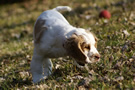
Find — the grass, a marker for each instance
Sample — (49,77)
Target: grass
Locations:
(116,70)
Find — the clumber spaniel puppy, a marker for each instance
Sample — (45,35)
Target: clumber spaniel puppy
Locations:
(54,37)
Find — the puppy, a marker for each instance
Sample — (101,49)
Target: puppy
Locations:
(54,37)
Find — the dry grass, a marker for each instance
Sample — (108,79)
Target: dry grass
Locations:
(116,70)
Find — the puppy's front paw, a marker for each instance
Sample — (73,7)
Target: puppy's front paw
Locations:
(37,77)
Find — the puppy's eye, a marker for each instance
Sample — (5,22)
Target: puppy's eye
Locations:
(87,46)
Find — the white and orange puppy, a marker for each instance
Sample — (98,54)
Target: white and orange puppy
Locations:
(54,37)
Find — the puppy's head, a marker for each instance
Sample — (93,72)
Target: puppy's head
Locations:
(83,48)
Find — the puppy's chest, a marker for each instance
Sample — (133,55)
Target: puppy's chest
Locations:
(55,52)
(56,49)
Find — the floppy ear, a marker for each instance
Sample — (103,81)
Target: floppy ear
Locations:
(73,47)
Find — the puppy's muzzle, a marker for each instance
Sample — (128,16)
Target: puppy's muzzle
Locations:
(96,57)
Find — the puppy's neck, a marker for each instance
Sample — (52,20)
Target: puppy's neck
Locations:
(77,31)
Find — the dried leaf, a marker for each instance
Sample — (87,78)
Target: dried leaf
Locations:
(126,32)
(2,79)
(120,78)
(57,66)
(24,74)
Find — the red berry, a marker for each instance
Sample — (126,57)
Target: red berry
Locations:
(105,14)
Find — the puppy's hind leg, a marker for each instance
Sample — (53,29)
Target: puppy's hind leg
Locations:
(47,66)
(36,67)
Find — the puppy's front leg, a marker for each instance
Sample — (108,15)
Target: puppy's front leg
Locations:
(47,66)
(37,67)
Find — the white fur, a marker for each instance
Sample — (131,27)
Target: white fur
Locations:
(52,40)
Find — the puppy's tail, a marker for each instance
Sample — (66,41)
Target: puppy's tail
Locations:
(62,8)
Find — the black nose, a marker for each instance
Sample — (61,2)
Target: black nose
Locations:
(97,56)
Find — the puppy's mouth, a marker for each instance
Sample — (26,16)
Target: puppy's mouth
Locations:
(81,64)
